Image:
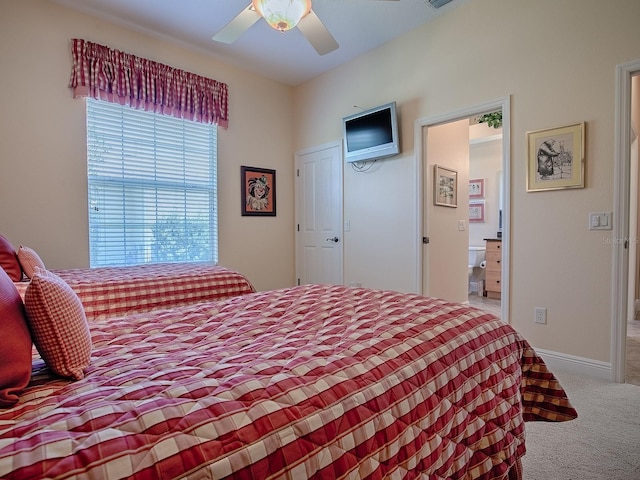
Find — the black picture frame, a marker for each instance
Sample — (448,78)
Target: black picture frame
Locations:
(258,191)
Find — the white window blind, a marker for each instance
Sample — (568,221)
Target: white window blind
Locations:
(152,187)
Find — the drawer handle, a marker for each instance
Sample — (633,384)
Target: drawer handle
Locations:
(497,281)
(497,261)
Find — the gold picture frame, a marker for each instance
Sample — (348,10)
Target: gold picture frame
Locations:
(445,187)
(555,158)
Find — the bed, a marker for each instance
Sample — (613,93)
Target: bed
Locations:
(314,381)
(117,291)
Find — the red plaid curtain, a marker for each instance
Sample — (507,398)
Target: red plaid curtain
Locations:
(106,74)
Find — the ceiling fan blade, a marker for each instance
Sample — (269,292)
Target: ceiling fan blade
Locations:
(236,27)
(317,34)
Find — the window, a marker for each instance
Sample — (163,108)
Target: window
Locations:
(152,187)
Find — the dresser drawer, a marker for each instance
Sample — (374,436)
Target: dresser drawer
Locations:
(494,261)
(493,282)
(494,247)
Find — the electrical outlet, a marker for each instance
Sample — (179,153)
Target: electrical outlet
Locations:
(541,315)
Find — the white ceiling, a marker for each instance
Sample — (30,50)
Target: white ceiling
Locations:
(357,26)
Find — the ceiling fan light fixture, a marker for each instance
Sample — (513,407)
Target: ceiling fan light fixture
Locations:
(282,15)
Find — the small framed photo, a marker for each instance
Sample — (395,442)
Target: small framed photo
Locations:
(476,188)
(258,191)
(555,158)
(445,187)
(476,212)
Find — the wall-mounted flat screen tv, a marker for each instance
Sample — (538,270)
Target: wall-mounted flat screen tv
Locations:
(371,134)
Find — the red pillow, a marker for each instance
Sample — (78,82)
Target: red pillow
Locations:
(9,260)
(15,354)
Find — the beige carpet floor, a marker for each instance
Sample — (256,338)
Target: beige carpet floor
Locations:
(603,443)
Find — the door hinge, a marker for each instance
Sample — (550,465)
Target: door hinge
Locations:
(297,172)
(298,227)
(425,240)
(298,281)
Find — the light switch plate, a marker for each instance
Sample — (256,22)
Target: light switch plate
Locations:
(600,220)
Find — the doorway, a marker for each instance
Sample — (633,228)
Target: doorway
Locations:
(432,221)
(626,186)
(485,212)
(632,344)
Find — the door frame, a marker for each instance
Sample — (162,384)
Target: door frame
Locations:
(298,190)
(621,208)
(503,103)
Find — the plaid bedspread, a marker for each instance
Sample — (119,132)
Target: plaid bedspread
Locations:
(311,382)
(117,291)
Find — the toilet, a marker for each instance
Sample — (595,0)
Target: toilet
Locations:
(476,259)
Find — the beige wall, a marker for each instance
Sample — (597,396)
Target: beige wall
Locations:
(43,187)
(557,61)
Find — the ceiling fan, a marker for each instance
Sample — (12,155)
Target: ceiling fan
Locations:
(282,15)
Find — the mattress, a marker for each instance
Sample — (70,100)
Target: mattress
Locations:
(310,382)
(116,291)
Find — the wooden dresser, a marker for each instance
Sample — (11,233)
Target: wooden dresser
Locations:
(493,270)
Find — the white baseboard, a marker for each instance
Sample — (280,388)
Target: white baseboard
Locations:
(578,365)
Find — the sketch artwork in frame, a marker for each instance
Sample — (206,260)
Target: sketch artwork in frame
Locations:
(476,188)
(555,158)
(476,212)
(445,188)
(258,191)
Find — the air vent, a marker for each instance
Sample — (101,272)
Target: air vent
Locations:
(438,3)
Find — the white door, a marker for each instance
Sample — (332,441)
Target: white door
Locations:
(445,269)
(319,215)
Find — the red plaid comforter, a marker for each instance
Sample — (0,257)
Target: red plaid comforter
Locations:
(310,382)
(117,291)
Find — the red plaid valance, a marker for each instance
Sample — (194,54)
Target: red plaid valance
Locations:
(104,73)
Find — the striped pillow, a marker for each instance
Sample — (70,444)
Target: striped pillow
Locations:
(58,324)
(29,260)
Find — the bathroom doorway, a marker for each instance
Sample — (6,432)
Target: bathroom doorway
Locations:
(446,230)
(486,199)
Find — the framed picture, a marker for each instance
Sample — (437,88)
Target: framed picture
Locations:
(555,158)
(258,191)
(476,212)
(445,187)
(476,188)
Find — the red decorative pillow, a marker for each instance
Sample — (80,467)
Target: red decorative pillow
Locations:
(15,354)
(58,324)
(9,260)
(29,260)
